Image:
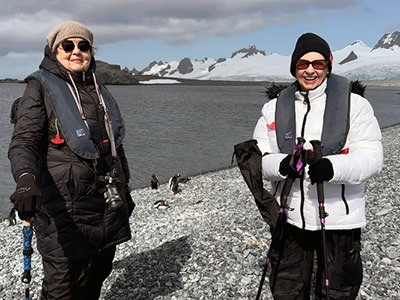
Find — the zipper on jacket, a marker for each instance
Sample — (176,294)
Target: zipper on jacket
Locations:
(307,102)
(302,200)
(344,199)
(303,125)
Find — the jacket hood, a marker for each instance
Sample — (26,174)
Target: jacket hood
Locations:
(274,90)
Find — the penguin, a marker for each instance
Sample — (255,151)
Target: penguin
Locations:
(154,181)
(173,183)
(184,179)
(161,204)
(12,217)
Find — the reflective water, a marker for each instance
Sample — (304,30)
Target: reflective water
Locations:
(180,129)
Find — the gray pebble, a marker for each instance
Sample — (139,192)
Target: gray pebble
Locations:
(211,242)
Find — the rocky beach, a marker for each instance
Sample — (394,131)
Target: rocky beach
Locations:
(211,241)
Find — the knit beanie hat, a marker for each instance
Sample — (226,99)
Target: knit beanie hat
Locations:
(67,30)
(310,42)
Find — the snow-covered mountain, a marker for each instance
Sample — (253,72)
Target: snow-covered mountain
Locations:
(355,61)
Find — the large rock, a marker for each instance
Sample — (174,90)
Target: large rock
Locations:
(352,56)
(112,74)
(185,66)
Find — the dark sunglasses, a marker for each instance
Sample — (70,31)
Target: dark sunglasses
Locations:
(69,46)
(318,64)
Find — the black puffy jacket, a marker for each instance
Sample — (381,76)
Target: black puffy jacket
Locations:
(72,221)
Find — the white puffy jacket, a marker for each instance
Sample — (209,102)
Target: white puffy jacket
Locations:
(363,160)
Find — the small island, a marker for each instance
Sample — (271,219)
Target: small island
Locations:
(106,73)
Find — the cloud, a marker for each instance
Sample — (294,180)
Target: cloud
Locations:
(15,64)
(25,24)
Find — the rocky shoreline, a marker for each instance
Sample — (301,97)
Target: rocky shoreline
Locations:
(210,243)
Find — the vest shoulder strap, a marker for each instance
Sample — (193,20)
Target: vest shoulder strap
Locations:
(285,119)
(336,116)
(74,129)
(118,125)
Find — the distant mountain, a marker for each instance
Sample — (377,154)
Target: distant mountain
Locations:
(112,74)
(355,61)
(247,52)
(388,41)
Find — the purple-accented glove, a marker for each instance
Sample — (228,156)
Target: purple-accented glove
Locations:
(292,164)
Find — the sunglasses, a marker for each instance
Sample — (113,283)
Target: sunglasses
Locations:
(318,64)
(69,46)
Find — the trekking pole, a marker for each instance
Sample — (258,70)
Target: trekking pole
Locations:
(297,166)
(287,186)
(317,146)
(264,273)
(27,234)
(279,229)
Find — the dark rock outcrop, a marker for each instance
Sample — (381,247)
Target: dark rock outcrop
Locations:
(165,71)
(352,56)
(113,75)
(249,51)
(388,41)
(151,65)
(219,60)
(11,80)
(185,66)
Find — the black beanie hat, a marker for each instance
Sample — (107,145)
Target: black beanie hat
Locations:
(310,42)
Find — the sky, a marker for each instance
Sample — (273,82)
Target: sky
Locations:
(134,33)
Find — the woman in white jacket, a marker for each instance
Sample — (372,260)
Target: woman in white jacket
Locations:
(319,106)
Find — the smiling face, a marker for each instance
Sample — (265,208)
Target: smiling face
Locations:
(310,78)
(75,60)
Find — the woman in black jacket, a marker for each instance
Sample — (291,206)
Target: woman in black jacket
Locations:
(68,160)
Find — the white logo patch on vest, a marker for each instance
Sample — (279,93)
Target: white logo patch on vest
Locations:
(80,132)
(288,135)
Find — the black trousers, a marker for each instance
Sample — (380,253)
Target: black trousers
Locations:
(292,265)
(79,280)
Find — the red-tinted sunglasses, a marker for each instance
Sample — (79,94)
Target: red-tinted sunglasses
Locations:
(318,64)
(69,46)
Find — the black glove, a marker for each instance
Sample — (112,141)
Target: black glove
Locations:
(25,196)
(309,157)
(284,167)
(320,170)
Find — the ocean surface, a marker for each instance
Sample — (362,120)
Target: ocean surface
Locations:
(184,129)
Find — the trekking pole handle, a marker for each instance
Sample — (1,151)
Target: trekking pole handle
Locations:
(27,251)
(317,149)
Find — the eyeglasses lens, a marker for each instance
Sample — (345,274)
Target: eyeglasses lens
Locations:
(319,64)
(69,46)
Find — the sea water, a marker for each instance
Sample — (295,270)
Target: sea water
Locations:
(186,129)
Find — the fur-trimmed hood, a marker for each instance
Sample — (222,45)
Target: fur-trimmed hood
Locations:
(274,90)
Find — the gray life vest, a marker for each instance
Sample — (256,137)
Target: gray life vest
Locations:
(336,117)
(75,131)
